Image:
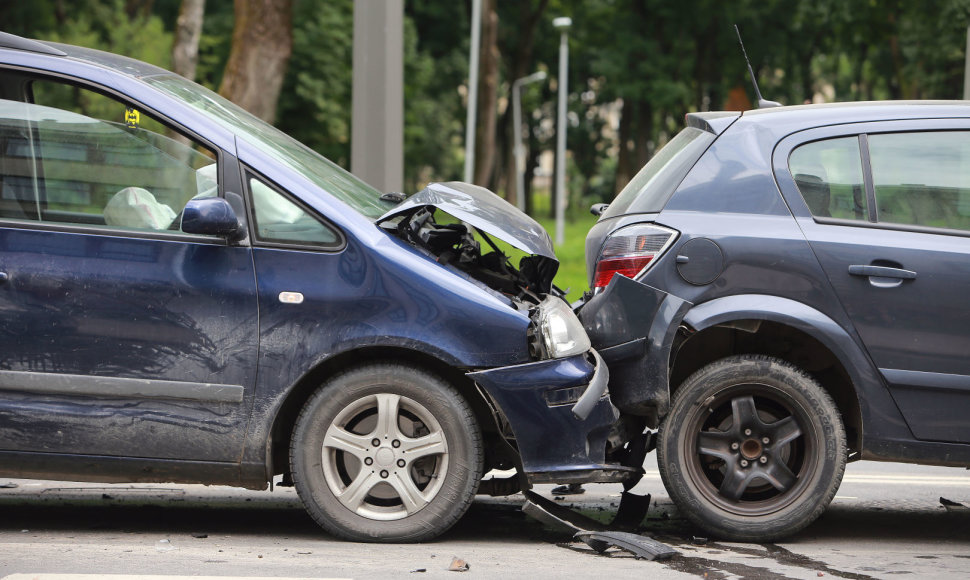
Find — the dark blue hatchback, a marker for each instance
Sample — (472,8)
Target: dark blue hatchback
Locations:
(189,295)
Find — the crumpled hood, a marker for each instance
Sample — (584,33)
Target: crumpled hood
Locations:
(485,211)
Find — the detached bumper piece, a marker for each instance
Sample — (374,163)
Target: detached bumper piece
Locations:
(560,413)
(598,536)
(642,547)
(633,326)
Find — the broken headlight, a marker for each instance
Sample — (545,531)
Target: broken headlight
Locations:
(556,332)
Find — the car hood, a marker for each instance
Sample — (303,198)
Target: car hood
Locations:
(482,209)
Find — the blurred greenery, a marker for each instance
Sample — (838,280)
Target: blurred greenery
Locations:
(636,68)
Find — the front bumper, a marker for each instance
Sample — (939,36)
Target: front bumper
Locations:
(633,327)
(561,415)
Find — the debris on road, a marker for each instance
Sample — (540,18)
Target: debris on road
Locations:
(458,565)
(599,536)
(199,535)
(698,540)
(416,570)
(952,506)
(642,547)
(8,485)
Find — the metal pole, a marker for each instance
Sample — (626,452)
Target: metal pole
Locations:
(517,129)
(470,118)
(560,200)
(377,112)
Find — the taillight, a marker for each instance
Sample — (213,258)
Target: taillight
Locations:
(630,251)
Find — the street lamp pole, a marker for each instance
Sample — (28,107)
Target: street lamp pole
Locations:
(562,23)
(517,124)
(470,117)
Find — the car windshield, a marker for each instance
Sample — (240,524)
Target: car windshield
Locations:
(318,169)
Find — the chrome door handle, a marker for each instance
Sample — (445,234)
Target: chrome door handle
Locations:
(882,272)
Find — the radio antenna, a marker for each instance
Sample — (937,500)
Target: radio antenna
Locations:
(762,102)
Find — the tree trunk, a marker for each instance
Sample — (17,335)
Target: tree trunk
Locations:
(262,40)
(487,96)
(188,31)
(521,65)
(644,132)
(623,161)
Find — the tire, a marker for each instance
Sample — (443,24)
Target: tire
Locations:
(719,470)
(420,478)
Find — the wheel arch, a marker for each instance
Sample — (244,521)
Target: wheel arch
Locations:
(284,421)
(785,329)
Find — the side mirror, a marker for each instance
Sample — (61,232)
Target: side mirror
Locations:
(598,208)
(210,216)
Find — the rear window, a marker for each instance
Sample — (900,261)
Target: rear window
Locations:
(650,189)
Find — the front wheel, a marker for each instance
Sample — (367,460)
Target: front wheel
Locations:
(386,453)
(753,449)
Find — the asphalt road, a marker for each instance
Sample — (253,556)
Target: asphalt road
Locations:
(886,522)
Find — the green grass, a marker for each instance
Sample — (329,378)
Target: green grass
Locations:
(572,261)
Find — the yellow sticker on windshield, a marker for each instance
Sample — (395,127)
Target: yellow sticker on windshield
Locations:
(132,118)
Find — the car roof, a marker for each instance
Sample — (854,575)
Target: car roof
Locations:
(785,120)
(107,60)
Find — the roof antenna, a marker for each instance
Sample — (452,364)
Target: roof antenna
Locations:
(762,102)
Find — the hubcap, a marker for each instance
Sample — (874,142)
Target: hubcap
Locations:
(751,454)
(385,457)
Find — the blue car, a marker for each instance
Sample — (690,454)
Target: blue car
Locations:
(189,295)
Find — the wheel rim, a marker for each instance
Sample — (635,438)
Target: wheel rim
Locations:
(385,457)
(752,450)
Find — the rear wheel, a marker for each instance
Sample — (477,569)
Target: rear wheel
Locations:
(386,453)
(753,449)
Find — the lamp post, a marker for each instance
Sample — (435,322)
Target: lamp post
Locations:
(470,117)
(562,23)
(517,124)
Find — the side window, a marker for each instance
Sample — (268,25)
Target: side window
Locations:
(922,178)
(829,177)
(279,220)
(77,157)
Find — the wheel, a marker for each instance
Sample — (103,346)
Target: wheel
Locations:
(753,449)
(386,453)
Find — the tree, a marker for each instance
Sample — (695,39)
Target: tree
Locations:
(188,32)
(262,41)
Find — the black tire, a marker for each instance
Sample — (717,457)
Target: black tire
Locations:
(420,478)
(730,481)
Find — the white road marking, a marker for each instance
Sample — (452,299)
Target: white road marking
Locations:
(29,576)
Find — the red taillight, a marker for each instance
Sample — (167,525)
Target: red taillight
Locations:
(629,267)
(629,251)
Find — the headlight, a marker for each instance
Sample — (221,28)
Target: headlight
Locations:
(557,333)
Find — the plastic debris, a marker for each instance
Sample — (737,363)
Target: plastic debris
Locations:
(952,506)
(458,565)
(642,547)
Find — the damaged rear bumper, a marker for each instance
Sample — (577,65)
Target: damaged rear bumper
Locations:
(633,326)
(560,413)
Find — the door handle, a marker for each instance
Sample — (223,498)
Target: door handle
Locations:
(882,272)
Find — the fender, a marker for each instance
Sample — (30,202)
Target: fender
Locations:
(870,391)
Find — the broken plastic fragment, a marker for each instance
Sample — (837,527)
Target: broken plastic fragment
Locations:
(641,546)
(458,565)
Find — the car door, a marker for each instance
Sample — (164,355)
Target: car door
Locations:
(122,336)
(890,224)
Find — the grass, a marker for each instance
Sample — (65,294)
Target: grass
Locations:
(572,260)
(571,275)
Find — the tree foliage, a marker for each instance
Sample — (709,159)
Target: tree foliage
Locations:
(636,67)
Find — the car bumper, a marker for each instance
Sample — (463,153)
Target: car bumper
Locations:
(633,327)
(560,413)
